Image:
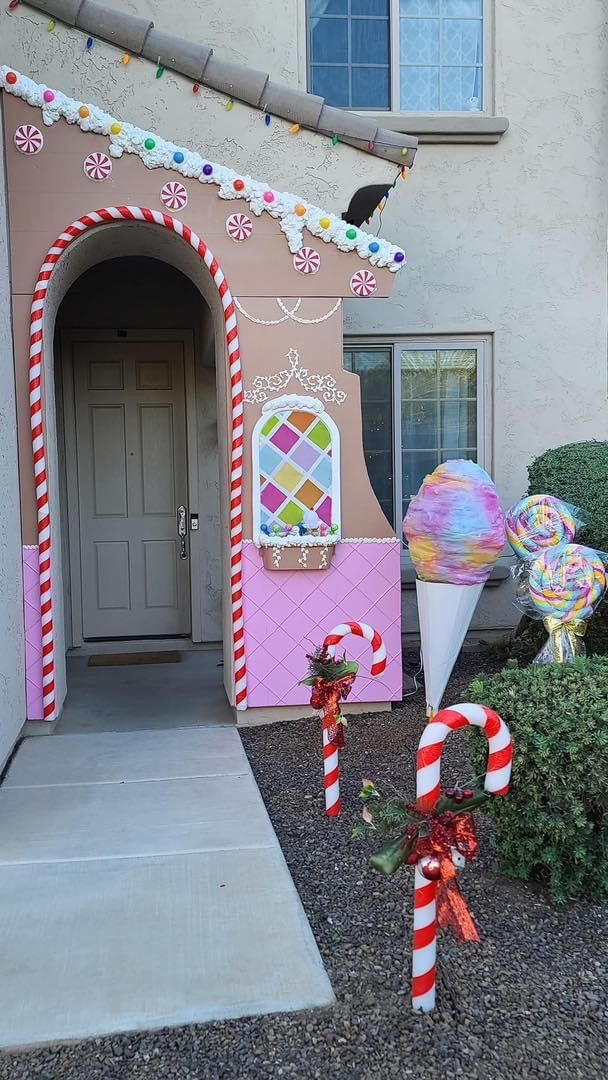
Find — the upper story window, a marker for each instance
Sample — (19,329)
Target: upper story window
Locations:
(404,55)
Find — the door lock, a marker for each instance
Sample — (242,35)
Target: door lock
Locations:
(182,530)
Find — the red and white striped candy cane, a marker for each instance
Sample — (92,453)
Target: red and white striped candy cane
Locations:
(428,791)
(331,765)
(359,629)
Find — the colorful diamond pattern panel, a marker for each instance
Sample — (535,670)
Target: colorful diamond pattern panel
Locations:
(33,634)
(288,614)
(296,471)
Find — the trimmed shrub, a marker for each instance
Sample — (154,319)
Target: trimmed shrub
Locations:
(553,826)
(578,474)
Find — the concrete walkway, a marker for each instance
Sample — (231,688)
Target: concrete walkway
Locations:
(142,885)
(154,696)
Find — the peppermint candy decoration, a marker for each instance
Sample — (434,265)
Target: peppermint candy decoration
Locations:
(174,195)
(307,260)
(28,139)
(97,166)
(239,226)
(363,283)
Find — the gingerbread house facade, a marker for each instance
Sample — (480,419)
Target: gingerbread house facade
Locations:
(191,462)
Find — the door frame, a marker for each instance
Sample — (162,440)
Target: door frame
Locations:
(69,480)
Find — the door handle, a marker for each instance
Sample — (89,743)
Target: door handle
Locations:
(182,530)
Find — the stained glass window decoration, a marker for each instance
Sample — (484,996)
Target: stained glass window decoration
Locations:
(296,473)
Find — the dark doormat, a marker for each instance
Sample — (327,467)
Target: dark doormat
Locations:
(126,659)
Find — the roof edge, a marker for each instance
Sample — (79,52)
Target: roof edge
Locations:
(139,36)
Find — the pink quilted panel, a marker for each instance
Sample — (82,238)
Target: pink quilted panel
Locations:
(288,613)
(33,634)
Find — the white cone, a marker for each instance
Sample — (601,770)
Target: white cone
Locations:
(444,613)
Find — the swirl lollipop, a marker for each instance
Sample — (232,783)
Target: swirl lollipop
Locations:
(539,522)
(567,584)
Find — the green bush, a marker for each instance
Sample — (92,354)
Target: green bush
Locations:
(578,473)
(553,826)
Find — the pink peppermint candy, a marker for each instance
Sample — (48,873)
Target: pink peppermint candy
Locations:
(97,166)
(307,260)
(239,226)
(174,195)
(363,283)
(28,139)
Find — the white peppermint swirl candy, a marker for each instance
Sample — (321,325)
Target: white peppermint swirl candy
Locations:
(97,166)
(174,195)
(239,226)
(363,283)
(29,139)
(307,260)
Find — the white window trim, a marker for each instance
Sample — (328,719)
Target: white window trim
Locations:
(464,118)
(483,344)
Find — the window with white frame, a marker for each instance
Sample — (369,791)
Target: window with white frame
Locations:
(422,403)
(400,55)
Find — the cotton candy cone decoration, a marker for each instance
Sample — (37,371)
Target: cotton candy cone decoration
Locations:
(455,530)
(444,613)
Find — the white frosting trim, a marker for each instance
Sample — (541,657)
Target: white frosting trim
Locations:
(131,141)
(342,540)
(297,541)
(289,402)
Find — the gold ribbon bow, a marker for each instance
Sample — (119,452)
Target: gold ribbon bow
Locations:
(566,637)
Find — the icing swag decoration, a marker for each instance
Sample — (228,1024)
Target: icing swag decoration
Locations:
(155,152)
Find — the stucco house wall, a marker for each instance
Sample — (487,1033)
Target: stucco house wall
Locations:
(12,666)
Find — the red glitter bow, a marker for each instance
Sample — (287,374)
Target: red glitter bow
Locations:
(440,837)
(326,697)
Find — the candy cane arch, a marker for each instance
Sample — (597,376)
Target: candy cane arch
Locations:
(76,229)
(428,791)
(331,765)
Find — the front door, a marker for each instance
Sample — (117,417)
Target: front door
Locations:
(132,477)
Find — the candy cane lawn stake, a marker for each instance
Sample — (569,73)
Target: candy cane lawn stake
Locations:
(428,792)
(332,681)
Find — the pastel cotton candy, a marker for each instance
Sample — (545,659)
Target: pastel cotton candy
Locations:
(454,525)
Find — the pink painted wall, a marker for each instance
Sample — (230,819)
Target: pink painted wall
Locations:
(288,613)
(33,634)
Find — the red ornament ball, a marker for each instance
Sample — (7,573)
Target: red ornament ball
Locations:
(238,185)
(430,867)
(11,78)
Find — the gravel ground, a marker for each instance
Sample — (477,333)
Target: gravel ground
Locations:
(530,1001)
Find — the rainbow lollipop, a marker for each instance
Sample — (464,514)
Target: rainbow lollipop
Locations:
(567,583)
(539,522)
